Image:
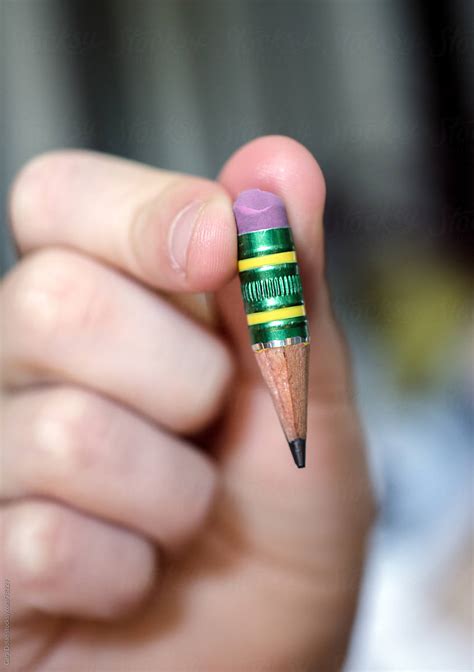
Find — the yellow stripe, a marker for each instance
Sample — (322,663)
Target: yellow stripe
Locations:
(278,314)
(267,260)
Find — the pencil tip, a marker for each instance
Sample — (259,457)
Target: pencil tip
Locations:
(298,450)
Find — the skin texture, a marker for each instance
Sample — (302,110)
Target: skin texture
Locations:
(152,517)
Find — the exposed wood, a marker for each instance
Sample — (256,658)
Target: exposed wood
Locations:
(285,371)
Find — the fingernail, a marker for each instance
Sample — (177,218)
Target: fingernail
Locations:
(181,232)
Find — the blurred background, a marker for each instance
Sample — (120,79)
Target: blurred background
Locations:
(382,92)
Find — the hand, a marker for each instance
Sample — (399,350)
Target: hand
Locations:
(153,518)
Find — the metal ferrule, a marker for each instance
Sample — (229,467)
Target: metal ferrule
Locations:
(271,288)
(296,340)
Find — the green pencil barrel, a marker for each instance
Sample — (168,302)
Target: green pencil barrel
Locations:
(271,286)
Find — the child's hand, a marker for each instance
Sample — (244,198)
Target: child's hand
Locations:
(108,384)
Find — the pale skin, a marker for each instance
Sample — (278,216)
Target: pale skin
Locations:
(152,517)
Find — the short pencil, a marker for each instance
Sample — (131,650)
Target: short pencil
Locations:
(274,304)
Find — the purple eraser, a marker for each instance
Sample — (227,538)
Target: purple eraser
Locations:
(255,210)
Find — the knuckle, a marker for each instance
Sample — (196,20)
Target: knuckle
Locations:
(38,545)
(67,432)
(52,295)
(34,190)
(31,302)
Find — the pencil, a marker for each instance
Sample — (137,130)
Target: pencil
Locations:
(274,304)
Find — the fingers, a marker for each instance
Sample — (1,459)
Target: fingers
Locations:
(98,457)
(170,231)
(60,561)
(69,318)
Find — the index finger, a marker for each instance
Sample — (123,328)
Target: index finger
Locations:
(170,231)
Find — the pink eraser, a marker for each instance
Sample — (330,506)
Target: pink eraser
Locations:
(255,210)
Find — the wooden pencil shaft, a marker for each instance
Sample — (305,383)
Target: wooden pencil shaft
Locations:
(285,371)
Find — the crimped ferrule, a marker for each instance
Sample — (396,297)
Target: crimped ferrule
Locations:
(271,288)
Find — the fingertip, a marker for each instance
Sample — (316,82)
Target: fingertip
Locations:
(196,490)
(185,239)
(273,160)
(285,167)
(212,258)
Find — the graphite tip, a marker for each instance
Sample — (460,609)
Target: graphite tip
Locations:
(298,450)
